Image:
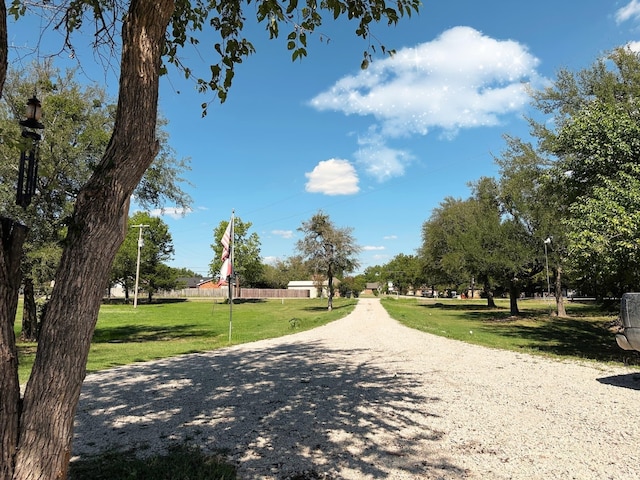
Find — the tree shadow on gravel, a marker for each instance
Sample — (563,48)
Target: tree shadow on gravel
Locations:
(290,411)
(627,380)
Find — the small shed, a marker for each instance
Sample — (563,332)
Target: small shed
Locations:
(312,286)
(309,285)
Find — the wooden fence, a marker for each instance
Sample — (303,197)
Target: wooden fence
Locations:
(244,293)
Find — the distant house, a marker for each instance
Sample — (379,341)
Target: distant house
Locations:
(208,283)
(190,282)
(312,286)
(304,285)
(371,288)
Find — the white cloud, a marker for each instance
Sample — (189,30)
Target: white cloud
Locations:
(634,46)
(173,212)
(462,79)
(283,233)
(629,11)
(390,237)
(333,177)
(379,160)
(270,260)
(370,248)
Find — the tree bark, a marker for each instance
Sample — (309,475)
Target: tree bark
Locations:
(486,288)
(12,236)
(514,292)
(561,311)
(96,230)
(29,313)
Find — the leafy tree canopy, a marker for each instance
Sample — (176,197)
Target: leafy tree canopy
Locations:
(247,262)
(226,20)
(330,250)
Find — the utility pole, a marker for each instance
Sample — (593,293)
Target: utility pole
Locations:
(140,244)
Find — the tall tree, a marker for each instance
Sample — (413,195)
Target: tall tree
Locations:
(530,195)
(78,124)
(247,262)
(330,250)
(476,238)
(404,272)
(157,247)
(282,272)
(443,249)
(594,136)
(36,438)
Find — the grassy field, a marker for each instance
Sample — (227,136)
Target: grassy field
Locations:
(587,334)
(125,335)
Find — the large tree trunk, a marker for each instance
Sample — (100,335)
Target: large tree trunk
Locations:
(514,292)
(486,289)
(29,312)
(95,232)
(12,236)
(558,292)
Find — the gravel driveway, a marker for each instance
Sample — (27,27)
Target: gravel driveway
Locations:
(367,398)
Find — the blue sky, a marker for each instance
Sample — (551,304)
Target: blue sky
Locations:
(377,150)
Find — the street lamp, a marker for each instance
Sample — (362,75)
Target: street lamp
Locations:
(140,245)
(546,258)
(28,168)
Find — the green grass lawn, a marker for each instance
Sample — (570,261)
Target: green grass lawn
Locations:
(125,335)
(587,334)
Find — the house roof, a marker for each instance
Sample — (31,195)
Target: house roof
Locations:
(191,282)
(309,283)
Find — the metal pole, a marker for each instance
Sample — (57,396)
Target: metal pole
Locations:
(140,243)
(546,258)
(232,276)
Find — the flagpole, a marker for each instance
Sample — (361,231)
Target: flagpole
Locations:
(231,277)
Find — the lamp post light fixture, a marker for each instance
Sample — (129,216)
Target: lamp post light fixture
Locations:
(28,168)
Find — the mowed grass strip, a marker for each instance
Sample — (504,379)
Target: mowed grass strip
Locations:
(126,335)
(589,333)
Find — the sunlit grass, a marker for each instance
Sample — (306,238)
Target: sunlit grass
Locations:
(125,334)
(587,334)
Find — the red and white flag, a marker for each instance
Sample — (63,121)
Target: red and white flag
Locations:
(226,242)
(226,270)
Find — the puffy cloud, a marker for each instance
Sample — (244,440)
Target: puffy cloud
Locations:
(629,11)
(173,212)
(333,177)
(283,233)
(462,79)
(634,46)
(270,260)
(379,160)
(370,248)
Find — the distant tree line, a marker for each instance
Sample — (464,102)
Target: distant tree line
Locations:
(567,201)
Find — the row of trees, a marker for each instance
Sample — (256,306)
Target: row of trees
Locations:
(569,200)
(325,251)
(78,123)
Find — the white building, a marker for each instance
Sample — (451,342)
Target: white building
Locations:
(312,286)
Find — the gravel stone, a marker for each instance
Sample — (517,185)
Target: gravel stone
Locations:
(367,398)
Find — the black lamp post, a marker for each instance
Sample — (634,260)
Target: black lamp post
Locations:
(28,170)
